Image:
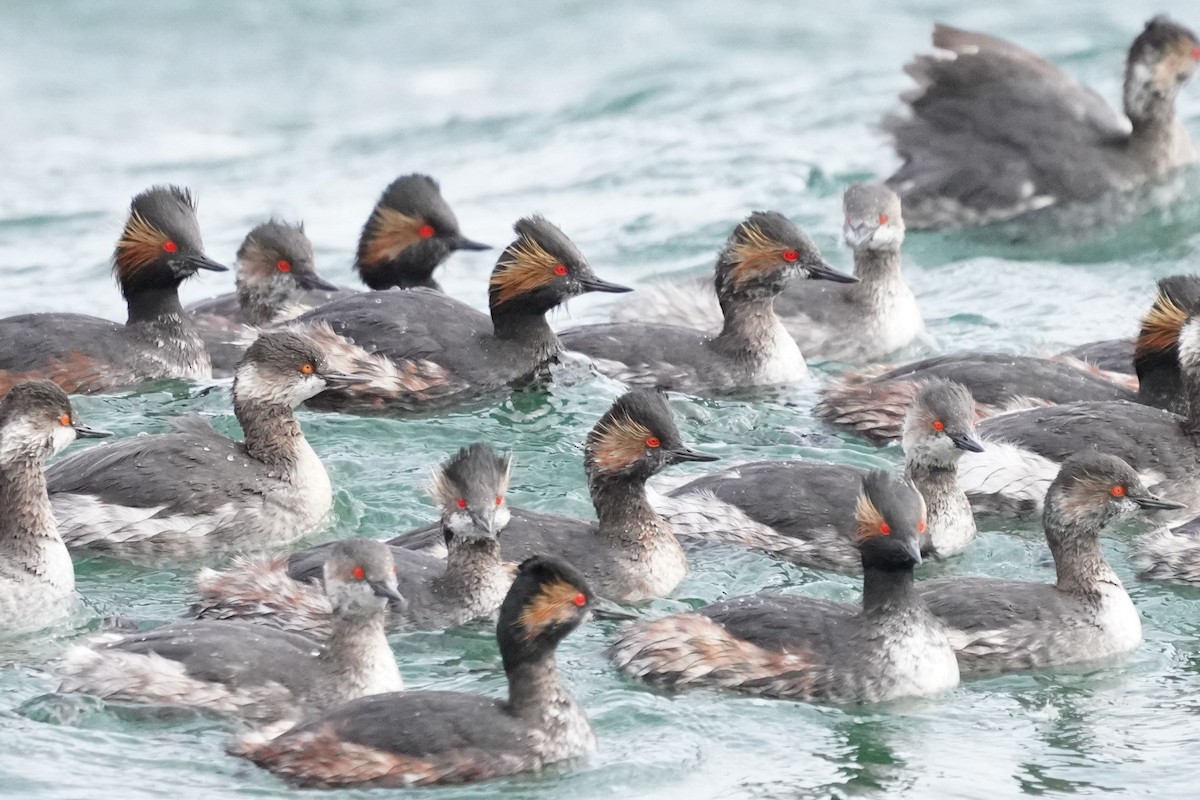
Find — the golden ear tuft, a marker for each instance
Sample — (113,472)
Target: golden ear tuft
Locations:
(619,443)
(525,266)
(554,604)
(389,234)
(754,253)
(1160,327)
(141,244)
(870,520)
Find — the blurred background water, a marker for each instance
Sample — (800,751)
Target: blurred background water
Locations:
(646,131)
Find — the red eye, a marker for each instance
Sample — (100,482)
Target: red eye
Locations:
(359,573)
(938,425)
(169,246)
(580,599)
(462,503)
(499,500)
(284,265)
(921,526)
(883,219)
(790,255)
(1196,53)
(559,269)
(885,529)
(64,420)
(1117,491)
(425,231)
(652,441)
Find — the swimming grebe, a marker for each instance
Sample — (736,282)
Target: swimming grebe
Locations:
(804,648)
(469,584)
(443,350)
(37,580)
(1000,626)
(197,491)
(267,676)
(631,553)
(159,248)
(995,131)
(422,738)
(796,510)
(753,348)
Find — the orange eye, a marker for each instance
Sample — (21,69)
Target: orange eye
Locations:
(938,425)
(921,526)
(307,369)
(560,270)
(652,441)
(64,420)
(790,255)
(359,573)
(885,529)
(461,502)
(425,231)
(1117,491)
(284,265)
(169,246)
(580,599)
(883,219)
(499,500)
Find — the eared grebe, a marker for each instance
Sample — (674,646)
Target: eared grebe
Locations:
(1024,448)
(874,406)
(1000,626)
(469,584)
(795,510)
(753,348)
(275,268)
(267,676)
(810,649)
(419,738)
(159,248)
(631,554)
(849,321)
(194,490)
(429,349)
(994,131)
(36,577)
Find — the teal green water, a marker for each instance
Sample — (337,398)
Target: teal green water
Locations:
(646,131)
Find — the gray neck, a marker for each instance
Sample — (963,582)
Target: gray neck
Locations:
(625,515)
(536,693)
(273,435)
(1153,131)
(1075,544)
(262,301)
(27,523)
(356,660)
(876,270)
(158,321)
(950,520)
(749,330)
(473,567)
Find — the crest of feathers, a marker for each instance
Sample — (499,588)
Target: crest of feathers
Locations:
(870,519)
(1161,325)
(389,233)
(524,267)
(753,253)
(554,604)
(140,244)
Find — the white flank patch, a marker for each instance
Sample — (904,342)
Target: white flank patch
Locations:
(1007,471)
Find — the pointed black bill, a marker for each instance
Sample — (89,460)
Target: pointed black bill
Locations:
(822,271)
(382,589)
(594,284)
(337,379)
(204,262)
(463,243)
(311,280)
(684,453)
(86,432)
(1153,502)
(966,441)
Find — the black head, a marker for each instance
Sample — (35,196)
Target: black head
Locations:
(1162,58)
(891,521)
(548,599)
(541,269)
(764,252)
(283,367)
(360,577)
(873,218)
(37,421)
(1158,335)
(410,232)
(160,245)
(637,438)
(1093,488)
(276,251)
(940,424)
(470,488)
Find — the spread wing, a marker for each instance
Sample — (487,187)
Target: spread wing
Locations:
(995,131)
